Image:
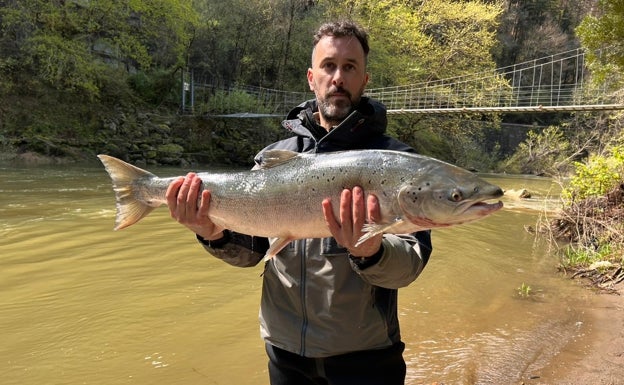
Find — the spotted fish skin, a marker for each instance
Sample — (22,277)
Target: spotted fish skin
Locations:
(282,197)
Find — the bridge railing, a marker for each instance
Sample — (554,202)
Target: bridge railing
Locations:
(551,83)
(258,101)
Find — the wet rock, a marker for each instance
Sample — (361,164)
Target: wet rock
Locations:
(518,194)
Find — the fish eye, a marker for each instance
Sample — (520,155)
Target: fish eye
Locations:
(456,195)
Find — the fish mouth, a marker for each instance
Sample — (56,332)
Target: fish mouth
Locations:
(470,212)
(483,208)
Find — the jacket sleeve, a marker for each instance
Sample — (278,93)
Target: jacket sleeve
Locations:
(237,249)
(402,260)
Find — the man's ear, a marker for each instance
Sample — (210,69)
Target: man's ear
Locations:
(310,76)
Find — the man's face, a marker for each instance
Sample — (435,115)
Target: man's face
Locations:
(337,77)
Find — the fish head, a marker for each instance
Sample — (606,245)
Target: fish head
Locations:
(449,199)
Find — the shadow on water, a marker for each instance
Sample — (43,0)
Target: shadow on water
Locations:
(83,304)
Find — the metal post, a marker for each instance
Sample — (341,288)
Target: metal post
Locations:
(192,93)
(182,94)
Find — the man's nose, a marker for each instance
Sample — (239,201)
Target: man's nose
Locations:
(337,79)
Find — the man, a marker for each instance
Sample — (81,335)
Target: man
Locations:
(328,311)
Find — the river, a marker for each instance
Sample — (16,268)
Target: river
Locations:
(82,304)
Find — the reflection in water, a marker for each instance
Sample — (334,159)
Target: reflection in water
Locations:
(83,304)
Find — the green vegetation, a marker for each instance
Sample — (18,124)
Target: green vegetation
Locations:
(583,256)
(603,34)
(596,176)
(79,75)
(524,291)
(592,220)
(542,153)
(72,69)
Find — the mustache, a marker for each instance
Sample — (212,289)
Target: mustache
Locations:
(337,90)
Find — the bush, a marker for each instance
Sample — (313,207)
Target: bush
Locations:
(223,102)
(155,87)
(597,176)
(592,219)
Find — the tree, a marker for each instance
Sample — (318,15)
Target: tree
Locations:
(253,42)
(413,41)
(418,41)
(602,33)
(531,29)
(74,45)
(542,153)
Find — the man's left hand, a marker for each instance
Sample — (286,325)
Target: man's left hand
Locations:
(354,213)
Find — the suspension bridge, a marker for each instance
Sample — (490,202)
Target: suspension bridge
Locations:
(549,84)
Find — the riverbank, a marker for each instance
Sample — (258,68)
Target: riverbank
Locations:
(596,357)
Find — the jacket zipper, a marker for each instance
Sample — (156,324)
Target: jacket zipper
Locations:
(304,311)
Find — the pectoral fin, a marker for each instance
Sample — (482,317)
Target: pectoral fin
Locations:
(276,247)
(373,229)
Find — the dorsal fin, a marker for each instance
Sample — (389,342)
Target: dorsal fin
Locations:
(272,158)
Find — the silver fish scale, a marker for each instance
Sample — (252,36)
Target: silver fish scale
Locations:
(295,189)
(283,198)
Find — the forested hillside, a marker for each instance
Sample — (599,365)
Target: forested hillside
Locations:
(79,77)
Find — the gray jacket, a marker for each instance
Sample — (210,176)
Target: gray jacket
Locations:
(317,301)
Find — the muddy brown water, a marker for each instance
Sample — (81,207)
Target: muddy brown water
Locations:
(81,304)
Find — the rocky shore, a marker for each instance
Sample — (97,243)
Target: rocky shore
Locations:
(151,139)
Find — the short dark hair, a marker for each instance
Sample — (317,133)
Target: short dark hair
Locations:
(341,29)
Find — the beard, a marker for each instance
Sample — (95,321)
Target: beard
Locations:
(335,110)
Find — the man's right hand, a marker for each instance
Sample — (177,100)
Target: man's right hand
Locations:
(185,207)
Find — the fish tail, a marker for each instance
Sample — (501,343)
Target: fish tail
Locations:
(129,209)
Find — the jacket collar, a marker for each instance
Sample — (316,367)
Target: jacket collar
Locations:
(367,120)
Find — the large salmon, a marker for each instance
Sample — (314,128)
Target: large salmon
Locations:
(282,198)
